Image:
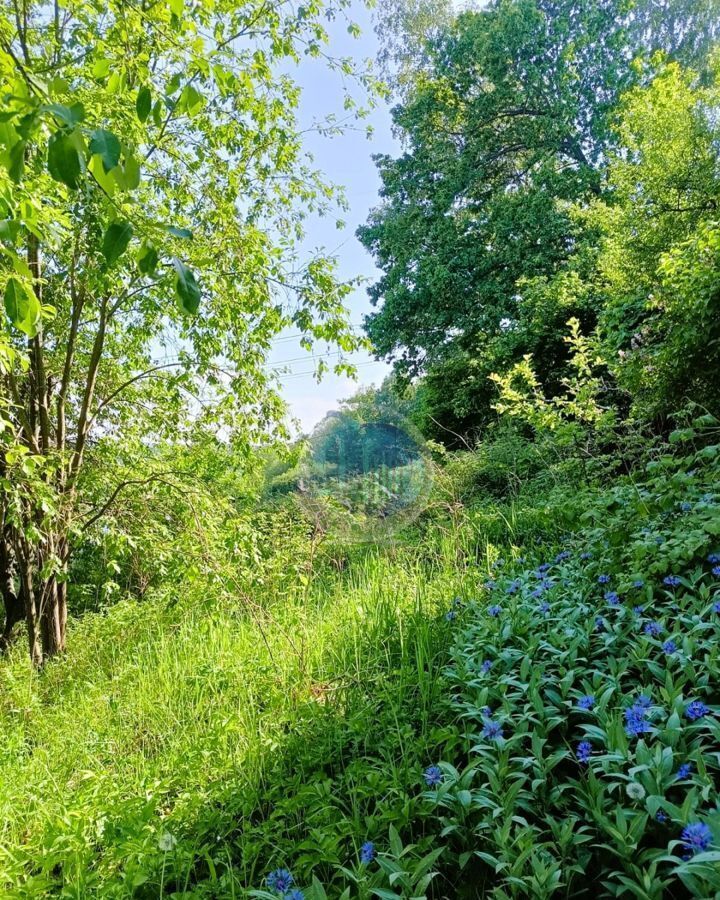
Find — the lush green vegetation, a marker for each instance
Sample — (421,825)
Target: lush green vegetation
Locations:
(472,656)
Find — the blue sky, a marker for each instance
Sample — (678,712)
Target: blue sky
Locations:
(345,160)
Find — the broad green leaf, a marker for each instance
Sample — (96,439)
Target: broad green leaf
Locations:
(184,233)
(69,115)
(107,146)
(176,7)
(115,241)
(191,100)
(186,287)
(143,104)
(147,258)
(16,161)
(22,307)
(101,68)
(106,180)
(131,170)
(65,163)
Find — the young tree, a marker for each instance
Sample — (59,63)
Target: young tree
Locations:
(152,191)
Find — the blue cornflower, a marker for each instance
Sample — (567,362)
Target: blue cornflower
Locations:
(638,610)
(494,611)
(661,815)
(561,557)
(653,629)
(280,880)
(599,623)
(669,647)
(683,772)
(538,592)
(716,571)
(367,852)
(543,568)
(603,579)
(716,606)
(584,751)
(696,837)
(635,718)
(450,615)
(613,598)
(458,603)
(513,587)
(586,555)
(486,666)
(671,580)
(714,558)
(492,730)
(433,776)
(696,710)
(638,584)
(544,607)
(685,506)
(643,702)
(586,702)
(295,895)
(489,585)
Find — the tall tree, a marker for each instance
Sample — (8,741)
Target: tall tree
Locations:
(152,190)
(506,130)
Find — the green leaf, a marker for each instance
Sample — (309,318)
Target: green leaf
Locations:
(191,100)
(147,258)
(65,163)
(176,7)
(186,288)
(22,307)
(107,146)
(69,115)
(130,177)
(115,241)
(184,233)
(16,161)
(143,104)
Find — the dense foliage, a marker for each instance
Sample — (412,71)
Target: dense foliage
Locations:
(520,126)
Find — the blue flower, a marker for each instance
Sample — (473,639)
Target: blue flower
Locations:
(295,895)
(716,571)
(486,666)
(613,598)
(513,587)
(367,852)
(683,772)
(636,717)
(716,606)
(653,629)
(586,555)
(494,611)
(433,776)
(489,585)
(541,569)
(661,815)
(603,579)
(584,751)
(599,623)
(669,647)
(672,580)
(685,506)
(561,557)
(544,607)
(696,710)
(714,558)
(450,615)
(638,610)
(280,880)
(492,731)
(586,702)
(638,584)
(696,837)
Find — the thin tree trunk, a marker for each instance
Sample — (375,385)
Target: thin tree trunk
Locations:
(12,598)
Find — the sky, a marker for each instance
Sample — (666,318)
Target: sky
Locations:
(345,160)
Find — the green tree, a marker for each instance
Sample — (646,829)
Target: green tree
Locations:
(507,131)
(152,192)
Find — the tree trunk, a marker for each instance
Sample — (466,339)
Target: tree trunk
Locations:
(11,595)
